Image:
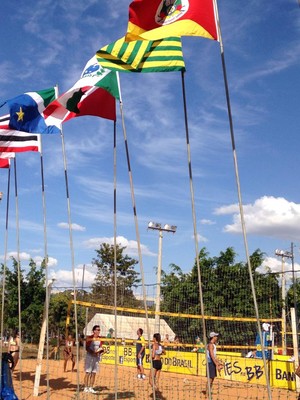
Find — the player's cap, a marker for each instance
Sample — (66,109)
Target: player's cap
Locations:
(213,334)
(111,330)
(266,326)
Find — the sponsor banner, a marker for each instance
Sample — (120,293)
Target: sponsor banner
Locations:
(173,361)
(246,370)
(126,355)
(180,362)
(236,368)
(282,374)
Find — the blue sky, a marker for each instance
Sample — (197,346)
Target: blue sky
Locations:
(47,43)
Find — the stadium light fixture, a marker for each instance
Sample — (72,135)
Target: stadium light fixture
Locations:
(283,253)
(158,227)
(166,228)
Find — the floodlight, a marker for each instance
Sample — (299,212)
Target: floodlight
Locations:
(170,228)
(283,253)
(154,225)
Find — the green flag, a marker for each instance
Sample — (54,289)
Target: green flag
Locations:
(142,55)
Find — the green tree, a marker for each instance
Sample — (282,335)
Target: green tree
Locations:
(292,301)
(126,276)
(32,298)
(58,308)
(226,291)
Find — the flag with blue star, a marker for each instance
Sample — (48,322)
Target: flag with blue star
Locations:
(26,112)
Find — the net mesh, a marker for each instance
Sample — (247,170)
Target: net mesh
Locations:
(184,373)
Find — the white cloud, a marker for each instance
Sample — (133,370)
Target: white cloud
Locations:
(23,256)
(52,262)
(267,216)
(36,250)
(64,278)
(200,238)
(131,245)
(5,68)
(75,227)
(282,61)
(273,265)
(207,222)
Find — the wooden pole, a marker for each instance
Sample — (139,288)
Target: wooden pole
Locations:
(295,346)
(41,348)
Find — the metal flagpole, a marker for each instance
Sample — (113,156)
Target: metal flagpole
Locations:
(72,256)
(240,196)
(46,272)
(19,274)
(195,225)
(136,226)
(4,267)
(115,258)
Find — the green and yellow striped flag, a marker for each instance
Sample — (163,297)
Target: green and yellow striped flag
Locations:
(143,56)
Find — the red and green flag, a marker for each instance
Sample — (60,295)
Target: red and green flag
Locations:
(94,94)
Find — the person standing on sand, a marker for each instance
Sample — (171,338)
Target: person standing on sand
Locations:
(213,362)
(94,350)
(156,352)
(14,347)
(140,354)
(68,353)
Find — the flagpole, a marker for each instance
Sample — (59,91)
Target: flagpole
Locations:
(115,258)
(239,193)
(4,267)
(46,270)
(44,334)
(136,224)
(72,253)
(194,217)
(19,275)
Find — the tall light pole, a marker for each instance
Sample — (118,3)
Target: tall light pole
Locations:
(294,280)
(166,228)
(281,253)
(286,254)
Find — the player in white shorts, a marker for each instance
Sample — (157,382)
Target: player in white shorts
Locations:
(94,350)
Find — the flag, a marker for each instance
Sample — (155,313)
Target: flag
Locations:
(26,112)
(94,93)
(4,162)
(143,56)
(15,141)
(5,159)
(157,19)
